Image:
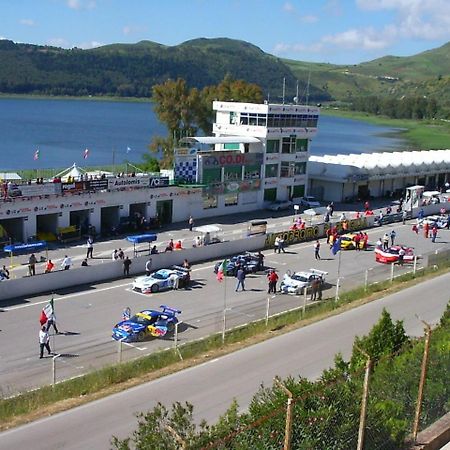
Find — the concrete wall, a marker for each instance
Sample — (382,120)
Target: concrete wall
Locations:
(22,287)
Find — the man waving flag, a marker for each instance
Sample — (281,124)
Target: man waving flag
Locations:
(47,312)
(222,269)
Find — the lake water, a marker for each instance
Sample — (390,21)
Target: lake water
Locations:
(63,129)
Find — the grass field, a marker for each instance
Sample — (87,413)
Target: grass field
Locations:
(420,134)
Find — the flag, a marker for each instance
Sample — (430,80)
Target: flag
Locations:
(36,155)
(222,269)
(336,246)
(47,312)
(128,150)
(86,153)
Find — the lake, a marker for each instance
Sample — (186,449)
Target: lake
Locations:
(63,129)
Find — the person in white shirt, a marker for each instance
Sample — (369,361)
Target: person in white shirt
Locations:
(52,322)
(148,267)
(174,281)
(67,262)
(44,342)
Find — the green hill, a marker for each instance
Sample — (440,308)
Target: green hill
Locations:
(425,74)
(132,69)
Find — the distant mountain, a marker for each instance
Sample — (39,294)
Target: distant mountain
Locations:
(132,69)
(426,74)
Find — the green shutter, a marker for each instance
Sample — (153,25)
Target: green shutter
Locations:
(270,195)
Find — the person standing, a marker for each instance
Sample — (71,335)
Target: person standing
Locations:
(315,286)
(5,272)
(357,240)
(49,266)
(32,265)
(44,342)
(52,322)
(148,267)
(404,216)
(240,275)
(260,260)
(114,255)
(392,236)
(273,279)
(281,245)
(276,245)
(434,232)
(67,262)
(126,266)
(426,229)
(191,223)
(90,247)
(385,241)
(120,254)
(317,249)
(401,256)
(415,229)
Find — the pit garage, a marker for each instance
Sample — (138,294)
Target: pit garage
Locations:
(81,220)
(46,227)
(109,220)
(11,229)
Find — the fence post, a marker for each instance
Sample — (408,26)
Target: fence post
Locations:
(415,265)
(423,375)
(338,282)
(267,310)
(54,368)
(365,395)
(305,299)
(119,351)
(392,273)
(290,405)
(366,279)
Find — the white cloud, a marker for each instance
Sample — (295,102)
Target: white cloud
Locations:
(58,42)
(133,29)
(288,7)
(282,48)
(88,45)
(27,22)
(81,4)
(422,19)
(367,39)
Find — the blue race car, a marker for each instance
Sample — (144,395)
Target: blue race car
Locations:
(149,322)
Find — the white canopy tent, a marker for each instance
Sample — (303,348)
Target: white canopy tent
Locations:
(73,171)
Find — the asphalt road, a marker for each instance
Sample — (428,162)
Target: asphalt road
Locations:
(210,387)
(87,314)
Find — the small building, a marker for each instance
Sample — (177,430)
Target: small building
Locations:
(360,176)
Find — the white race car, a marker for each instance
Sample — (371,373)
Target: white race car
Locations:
(439,221)
(161,280)
(294,283)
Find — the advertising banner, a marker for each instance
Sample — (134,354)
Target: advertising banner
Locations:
(155,182)
(221,159)
(232,187)
(115,184)
(75,186)
(97,185)
(33,190)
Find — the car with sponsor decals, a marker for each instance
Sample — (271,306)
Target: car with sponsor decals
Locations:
(161,280)
(438,221)
(294,283)
(250,262)
(348,242)
(391,254)
(149,322)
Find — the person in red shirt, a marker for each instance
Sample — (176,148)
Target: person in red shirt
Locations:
(426,229)
(273,279)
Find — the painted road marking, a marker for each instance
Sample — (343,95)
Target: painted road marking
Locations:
(134,346)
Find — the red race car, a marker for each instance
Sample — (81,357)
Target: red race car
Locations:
(391,255)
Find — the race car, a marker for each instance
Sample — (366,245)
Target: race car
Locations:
(439,221)
(348,242)
(248,261)
(391,254)
(294,283)
(162,279)
(149,322)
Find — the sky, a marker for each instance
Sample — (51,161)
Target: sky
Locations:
(331,31)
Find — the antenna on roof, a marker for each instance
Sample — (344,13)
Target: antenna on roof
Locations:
(296,95)
(307,87)
(284,88)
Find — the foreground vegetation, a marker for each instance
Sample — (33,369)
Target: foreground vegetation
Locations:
(326,412)
(103,382)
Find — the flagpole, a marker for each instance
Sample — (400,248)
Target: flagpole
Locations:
(224,321)
(338,276)
(114,160)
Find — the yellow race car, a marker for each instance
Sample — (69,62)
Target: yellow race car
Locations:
(348,242)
